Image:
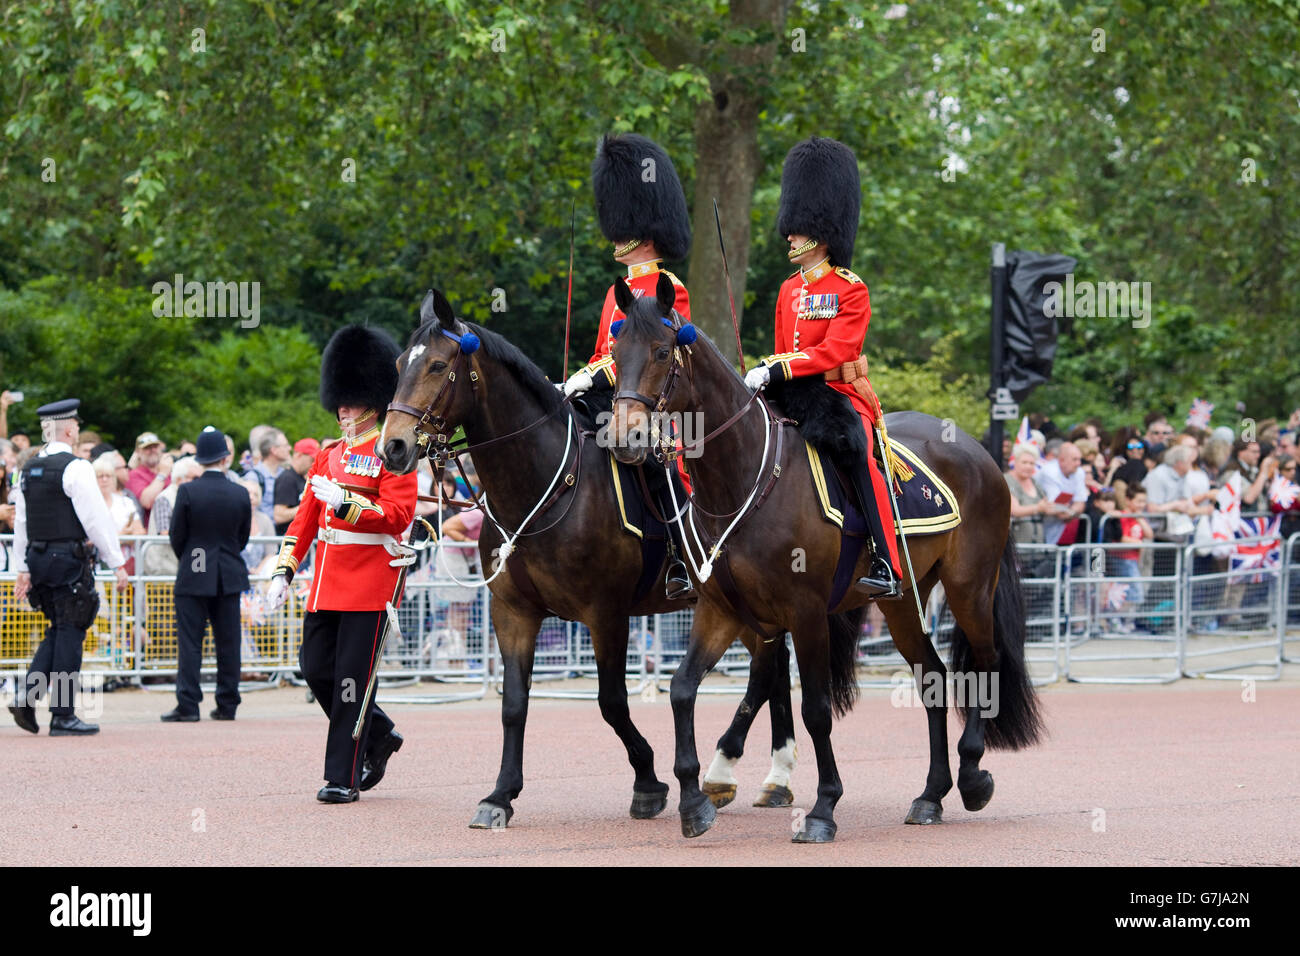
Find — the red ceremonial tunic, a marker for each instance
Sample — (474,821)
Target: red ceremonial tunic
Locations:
(642,278)
(821,321)
(349,576)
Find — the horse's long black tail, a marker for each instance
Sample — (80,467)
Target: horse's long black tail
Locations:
(1018,722)
(844,630)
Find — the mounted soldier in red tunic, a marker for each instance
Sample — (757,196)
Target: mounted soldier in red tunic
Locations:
(642,210)
(822,312)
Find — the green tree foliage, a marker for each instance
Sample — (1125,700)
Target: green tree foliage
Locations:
(134,372)
(347,156)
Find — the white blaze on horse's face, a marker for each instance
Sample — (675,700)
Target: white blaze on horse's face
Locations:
(414,354)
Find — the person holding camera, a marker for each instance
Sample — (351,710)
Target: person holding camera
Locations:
(57,507)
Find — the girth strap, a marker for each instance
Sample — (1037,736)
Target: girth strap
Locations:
(524,584)
(722,571)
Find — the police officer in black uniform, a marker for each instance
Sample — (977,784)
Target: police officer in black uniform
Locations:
(59,507)
(209,529)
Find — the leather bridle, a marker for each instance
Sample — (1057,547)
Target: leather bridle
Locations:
(427,417)
(663,450)
(658,404)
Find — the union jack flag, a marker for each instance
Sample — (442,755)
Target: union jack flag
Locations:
(1258,555)
(1226,519)
(1282,492)
(1200,413)
(1023,434)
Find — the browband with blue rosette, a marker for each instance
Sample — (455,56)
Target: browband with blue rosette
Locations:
(469,342)
(686,335)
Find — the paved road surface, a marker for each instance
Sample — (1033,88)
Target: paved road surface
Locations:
(1173,775)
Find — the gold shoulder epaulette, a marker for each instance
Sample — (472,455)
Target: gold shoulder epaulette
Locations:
(672,278)
(849,274)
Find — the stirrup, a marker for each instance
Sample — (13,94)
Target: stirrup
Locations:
(677,583)
(879,588)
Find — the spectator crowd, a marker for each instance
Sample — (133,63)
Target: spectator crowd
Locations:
(139,488)
(1154,483)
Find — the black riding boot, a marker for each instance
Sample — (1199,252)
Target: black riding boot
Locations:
(677,581)
(880,583)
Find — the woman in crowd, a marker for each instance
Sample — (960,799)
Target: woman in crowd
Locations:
(1028,500)
(1284,496)
(121,506)
(1093,477)
(255,555)
(1128,470)
(8,467)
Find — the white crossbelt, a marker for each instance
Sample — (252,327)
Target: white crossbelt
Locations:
(403,554)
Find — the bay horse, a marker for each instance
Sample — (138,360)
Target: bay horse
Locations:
(661,372)
(571,559)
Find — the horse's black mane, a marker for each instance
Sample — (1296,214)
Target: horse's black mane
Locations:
(645,313)
(497,348)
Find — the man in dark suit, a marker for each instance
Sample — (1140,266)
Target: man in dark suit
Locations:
(210,526)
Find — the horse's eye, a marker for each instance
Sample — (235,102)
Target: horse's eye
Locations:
(438,366)
(662,354)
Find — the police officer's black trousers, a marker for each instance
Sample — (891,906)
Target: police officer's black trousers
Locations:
(56,667)
(192,614)
(337,654)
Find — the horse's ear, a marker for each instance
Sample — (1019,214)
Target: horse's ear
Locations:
(426,308)
(443,310)
(623,296)
(665,294)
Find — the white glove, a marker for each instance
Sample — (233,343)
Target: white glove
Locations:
(757,377)
(327,490)
(278,591)
(579,382)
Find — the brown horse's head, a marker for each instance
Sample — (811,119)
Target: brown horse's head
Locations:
(648,359)
(432,385)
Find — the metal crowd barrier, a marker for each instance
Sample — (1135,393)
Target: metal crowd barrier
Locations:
(1087,622)
(445,635)
(1116,618)
(1291,600)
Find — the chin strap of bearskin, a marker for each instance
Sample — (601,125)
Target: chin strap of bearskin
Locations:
(855,373)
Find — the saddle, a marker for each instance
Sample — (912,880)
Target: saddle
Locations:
(825,418)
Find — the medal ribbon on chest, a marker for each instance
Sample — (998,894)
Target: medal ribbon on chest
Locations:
(822,306)
(365,465)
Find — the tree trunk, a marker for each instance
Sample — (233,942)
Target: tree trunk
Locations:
(727,165)
(726,168)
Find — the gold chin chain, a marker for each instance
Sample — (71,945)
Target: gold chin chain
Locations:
(806,247)
(624,250)
(348,426)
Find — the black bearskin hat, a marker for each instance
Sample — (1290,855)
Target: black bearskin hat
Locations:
(630,205)
(359,367)
(821,196)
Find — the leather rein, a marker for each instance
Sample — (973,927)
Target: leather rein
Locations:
(436,444)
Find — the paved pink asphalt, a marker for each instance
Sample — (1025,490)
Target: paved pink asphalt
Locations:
(1178,775)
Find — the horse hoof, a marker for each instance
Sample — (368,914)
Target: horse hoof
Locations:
(699,819)
(719,794)
(649,803)
(924,812)
(489,816)
(977,796)
(773,795)
(815,830)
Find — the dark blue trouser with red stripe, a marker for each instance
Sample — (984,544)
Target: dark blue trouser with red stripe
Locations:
(337,654)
